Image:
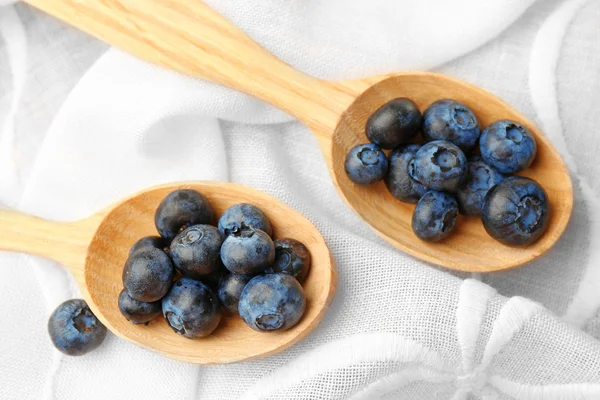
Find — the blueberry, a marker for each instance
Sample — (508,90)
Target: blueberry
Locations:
(195,251)
(191,308)
(394,123)
(138,312)
(242,216)
(272,302)
(507,146)
(366,164)
(74,329)
(440,165)
(435,216)
(180,209)
(150,241)
(515,211)
(248,251)
(214,279)
(148,274)
(292,258)
(401,179)
(452,121)
(230,289)
(480,178)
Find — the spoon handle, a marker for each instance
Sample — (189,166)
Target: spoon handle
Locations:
(64,242)
(190,37)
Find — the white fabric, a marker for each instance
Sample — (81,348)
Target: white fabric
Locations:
(82,125)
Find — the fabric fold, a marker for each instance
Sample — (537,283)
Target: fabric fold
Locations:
(398,328)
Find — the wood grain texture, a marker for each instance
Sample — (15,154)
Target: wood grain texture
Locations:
(189,37)
(63,242)
(96,249)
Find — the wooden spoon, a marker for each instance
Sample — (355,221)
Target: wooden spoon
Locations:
(95,250)
(188,36)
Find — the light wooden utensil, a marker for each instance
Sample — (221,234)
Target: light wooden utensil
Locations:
(95,250)
(188,36)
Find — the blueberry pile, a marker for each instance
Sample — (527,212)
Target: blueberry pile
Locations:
(458,169)
(194,271)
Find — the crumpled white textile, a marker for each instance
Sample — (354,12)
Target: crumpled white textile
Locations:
(83,125)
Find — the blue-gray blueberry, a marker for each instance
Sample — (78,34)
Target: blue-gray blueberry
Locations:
(191,309)
(180,209)
(138,312)
(394,123)
(435,216)
(440,165)
(214,279)
(481,177)
(292,258)
(272,302)
(507,146)
(230,290)
(401,179)
(516,211)
(452,121)
(249,251)
(148,274)
(366,164)
(241,216)
(150,241)
(74,329)
(195,251)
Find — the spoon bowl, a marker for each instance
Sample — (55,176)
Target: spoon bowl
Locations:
(190,37)
(469,248)
(95,250)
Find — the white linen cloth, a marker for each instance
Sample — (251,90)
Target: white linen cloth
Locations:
(83,125)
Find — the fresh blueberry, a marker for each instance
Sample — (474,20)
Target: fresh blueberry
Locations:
(214,279)
(74,329)
(272,302)
(480,178)
(240,216)
(138,312)
(150,241)
(230,289)
(249,251)
(195,251)
(394,123)
(452,121)
(292,258)
(401,179)
(440,165)
(366,164)
(435,216)
(515,211)
(191,309)
(148,274)
(507,146)
(180,209)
